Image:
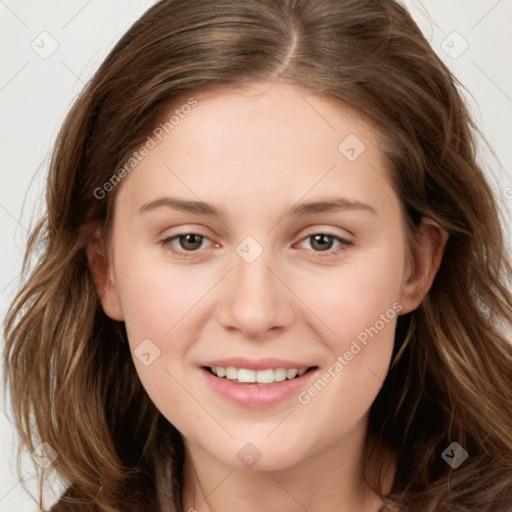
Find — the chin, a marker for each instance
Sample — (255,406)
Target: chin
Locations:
(265,455)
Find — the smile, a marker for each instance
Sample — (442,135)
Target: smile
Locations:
(262,377)
(267,384)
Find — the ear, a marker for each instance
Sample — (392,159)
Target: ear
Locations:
(102,277)
(424,261)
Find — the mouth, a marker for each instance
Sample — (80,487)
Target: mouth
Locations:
(263,377)
(257,383)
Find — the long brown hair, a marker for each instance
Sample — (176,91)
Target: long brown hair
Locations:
(68,366)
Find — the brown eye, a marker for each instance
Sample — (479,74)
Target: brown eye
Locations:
(184,244)
(190,241)
(321,242)
(327,243)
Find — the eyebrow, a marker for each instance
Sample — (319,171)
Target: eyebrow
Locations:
(299,209)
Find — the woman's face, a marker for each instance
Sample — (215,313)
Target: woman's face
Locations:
(297,263)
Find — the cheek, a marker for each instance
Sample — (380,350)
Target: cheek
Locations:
(359,295)
(359,303)
(169,304)
(361,306)
(156,297)
(158,301)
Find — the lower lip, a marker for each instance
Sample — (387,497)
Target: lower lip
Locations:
(253,395)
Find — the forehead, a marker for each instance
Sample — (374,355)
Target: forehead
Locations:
(271,115)
(263,143)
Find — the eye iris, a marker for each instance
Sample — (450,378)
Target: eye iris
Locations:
(191,241)
(319,242)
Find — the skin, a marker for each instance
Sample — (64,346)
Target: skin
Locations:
(256,152)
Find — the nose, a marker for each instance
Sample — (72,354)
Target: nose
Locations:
(255,299)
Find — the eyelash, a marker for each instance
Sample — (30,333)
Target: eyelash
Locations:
(344,243)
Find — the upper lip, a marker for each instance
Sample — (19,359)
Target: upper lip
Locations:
(257,364)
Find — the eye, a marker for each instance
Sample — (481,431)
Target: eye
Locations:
(323,242)
(182,243)
(190,243)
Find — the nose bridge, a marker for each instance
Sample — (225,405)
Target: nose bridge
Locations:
(253,299)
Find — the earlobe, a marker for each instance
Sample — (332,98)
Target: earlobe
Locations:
(103,281)
(425,259)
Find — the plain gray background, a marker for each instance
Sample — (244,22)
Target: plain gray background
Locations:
(37,88)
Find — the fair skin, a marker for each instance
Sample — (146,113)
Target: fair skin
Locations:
(255,153)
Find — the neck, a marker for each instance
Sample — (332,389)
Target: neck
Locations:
(330,478)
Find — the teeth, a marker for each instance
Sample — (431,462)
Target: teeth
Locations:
(279,374)
(244,375)
(290,374)
(264,376)
(231,373)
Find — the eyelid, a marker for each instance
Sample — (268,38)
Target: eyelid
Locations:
(328,230)
(344,243)
(166,242)
(315,230)
(347,240)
